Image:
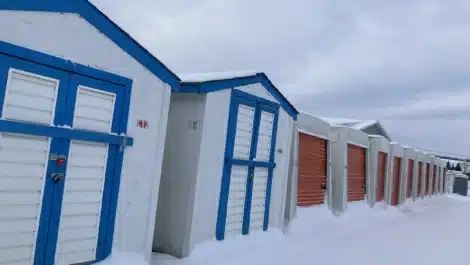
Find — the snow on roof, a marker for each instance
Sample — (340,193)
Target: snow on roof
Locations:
(213,76)
(356,124)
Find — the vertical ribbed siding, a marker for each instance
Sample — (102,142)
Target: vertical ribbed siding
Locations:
(396,180)
(356,172)
(312,170)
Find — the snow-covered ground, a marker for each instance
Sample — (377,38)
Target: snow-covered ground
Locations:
(430,231)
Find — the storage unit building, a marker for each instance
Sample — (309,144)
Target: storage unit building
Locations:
(395,174)
(378,165)
(349,167)
(460,184)
(72,86)
(411,172)
(313,161)
(226,160)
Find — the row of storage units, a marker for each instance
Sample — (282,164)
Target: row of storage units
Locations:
(103,148)
(339,164)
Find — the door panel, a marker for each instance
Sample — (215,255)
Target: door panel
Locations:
(246,181)
(23,163)
(396,180)
(434,179)
(258,200)
(420,177)
(244,132)
(428,177)
(410,177)
(82,202)
(381,168)
(356,172)
(312,170)
(236,200)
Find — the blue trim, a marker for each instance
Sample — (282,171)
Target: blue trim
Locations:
(47,200)
(105,25)
(225,185)
(58,132)
(56,205)
(237,98)
(39,58)
(251,163)
(272,157)
(216,85)
(116,181)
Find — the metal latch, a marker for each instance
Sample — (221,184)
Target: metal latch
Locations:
(57,177)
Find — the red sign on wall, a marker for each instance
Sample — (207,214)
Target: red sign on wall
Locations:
(142,124)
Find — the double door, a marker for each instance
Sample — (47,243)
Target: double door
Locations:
(249,164)
(59,147)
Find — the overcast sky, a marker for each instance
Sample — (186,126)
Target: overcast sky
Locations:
(405,63)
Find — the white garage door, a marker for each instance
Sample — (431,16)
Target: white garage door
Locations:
(57,138)
(246,183)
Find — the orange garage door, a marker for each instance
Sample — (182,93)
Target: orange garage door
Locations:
(396,180)
(312,170)
(428,177)
(420,177)
(409,189)
(381,169)
(356,172)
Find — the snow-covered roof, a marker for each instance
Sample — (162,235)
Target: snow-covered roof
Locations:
(215,81)
(214,76)
(356,124)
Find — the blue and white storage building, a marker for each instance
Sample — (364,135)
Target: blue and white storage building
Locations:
(73,88)
(226,163)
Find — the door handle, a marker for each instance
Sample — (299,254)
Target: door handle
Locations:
(323,186)
(57,177)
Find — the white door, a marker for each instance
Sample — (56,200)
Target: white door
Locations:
(249,164)
(60,155)
(23,163)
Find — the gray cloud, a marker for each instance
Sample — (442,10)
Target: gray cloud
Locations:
(358,59)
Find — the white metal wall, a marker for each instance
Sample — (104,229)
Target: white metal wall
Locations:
(340,137)
(396,150)
(180,164)
(82,43)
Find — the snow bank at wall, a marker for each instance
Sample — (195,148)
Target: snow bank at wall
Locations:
(124,258)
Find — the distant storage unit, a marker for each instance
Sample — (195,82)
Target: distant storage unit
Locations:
(409,184)
(349,151)
(460,183)
(378,165)
(313,161)
(73,85)
(396,166)
(226,162)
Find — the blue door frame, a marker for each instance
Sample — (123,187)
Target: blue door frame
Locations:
(260,105)
(16,57)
